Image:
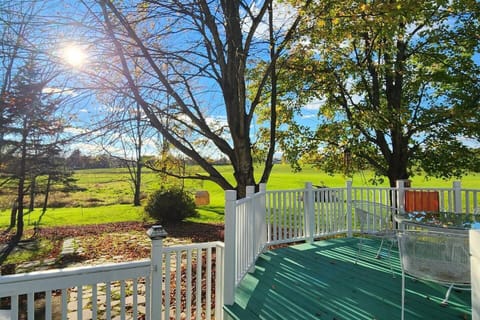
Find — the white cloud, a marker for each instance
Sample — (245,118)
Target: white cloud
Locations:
(284,15)
(75,131)
(87,148)
(64,91)
(469,142)
(314,105)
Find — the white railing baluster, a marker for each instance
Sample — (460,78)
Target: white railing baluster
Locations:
(108,300)
(48,304)
(135,298)
(276,221)
(64,293)
(30,306)
(79,302)
(208,289)
(188,302)
(122,300)
(198,280)
(167,291)
(178,284)
(14,307)
(94,301)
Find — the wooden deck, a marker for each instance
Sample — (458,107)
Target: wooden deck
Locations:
(321,281)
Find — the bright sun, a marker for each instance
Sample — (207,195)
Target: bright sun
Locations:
(74,55)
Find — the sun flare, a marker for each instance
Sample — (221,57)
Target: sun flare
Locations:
(74,55)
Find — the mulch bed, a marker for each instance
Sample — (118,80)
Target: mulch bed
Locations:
(114,246)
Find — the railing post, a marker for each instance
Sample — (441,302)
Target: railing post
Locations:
(230,254)
(457,196)
(401,185)
(252,217)
(156,234)
(474,239)
(262,221)
(349,209)
(309,214)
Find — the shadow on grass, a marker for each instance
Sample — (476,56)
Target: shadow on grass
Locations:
(197,232)
(5,251)
(213,209)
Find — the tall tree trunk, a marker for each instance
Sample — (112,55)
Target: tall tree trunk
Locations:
(13,215)
(273,100)
(138,183)
(397,171)
(21,182)
(138,172)
(47,193)
(20,198)
(33,186)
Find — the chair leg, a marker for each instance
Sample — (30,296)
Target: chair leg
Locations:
(447,295)
(378,256)
(390,257)
(403,295)
(360,245)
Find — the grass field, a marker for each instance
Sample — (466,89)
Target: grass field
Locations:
(107,195)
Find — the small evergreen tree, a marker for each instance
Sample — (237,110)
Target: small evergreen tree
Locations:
(33,132)
(170,205)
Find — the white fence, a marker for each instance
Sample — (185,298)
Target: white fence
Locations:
(274,217)
(176,282)
(60,293)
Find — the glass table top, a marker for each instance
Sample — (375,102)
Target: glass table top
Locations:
(449,220)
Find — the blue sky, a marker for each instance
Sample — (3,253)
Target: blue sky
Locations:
(90,109)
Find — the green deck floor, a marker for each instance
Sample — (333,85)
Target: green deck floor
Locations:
(321,281)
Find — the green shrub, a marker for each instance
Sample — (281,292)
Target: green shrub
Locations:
(170,205)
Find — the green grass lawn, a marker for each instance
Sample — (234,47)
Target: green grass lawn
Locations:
(91,215)
(107,193)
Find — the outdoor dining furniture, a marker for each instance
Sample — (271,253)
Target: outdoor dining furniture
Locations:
(434,246)
(375,220)
(440,257)
(454,222)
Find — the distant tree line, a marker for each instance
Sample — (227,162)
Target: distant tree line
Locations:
(78,161)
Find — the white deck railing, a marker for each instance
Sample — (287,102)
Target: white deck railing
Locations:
(60,294)
(148,289)
(182,280)
(273,217)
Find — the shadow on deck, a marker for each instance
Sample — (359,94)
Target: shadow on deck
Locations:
(321,281)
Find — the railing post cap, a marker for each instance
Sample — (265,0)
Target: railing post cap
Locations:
(157,232)
(230,195)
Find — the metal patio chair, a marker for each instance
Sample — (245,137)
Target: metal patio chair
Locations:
(441,257)
(375,220)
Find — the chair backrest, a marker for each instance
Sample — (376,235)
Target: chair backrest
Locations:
(435,256)
(373,217)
